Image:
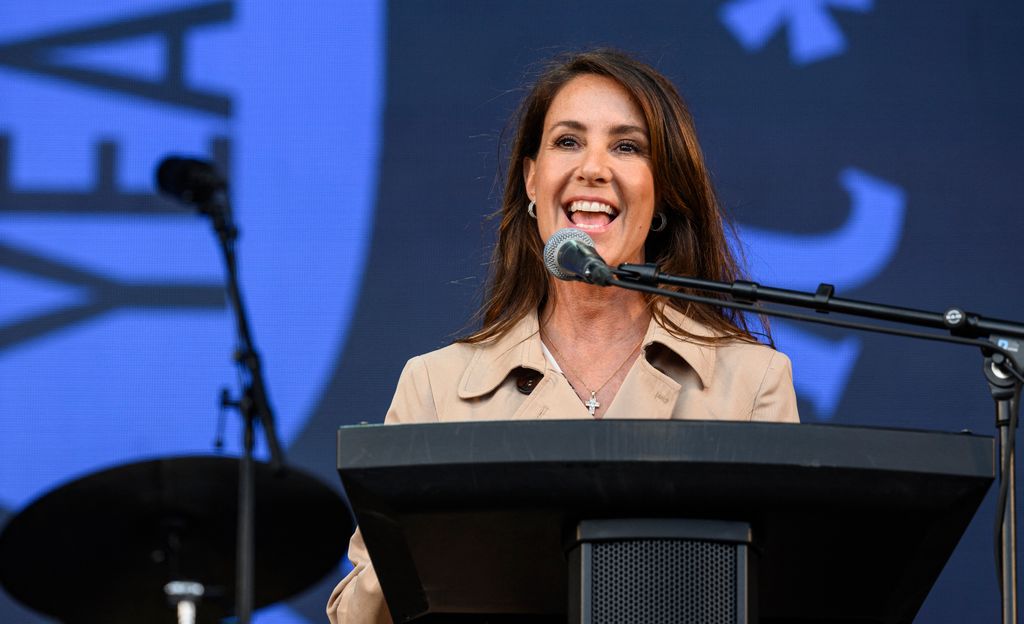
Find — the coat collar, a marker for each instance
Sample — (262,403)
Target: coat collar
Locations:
(493,361)
(700,357)
(520,347)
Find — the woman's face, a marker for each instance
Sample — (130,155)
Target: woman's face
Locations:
(593,168)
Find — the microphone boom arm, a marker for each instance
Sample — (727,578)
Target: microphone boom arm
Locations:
(955,320)
(1001,343)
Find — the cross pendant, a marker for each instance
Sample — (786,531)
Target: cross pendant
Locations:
(592,403)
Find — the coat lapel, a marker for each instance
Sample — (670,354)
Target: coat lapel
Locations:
(647,392)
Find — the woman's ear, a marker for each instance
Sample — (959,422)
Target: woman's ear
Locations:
(529,168)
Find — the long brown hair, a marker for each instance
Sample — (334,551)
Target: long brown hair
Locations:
(693,242)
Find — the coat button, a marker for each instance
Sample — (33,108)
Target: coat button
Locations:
(527,380)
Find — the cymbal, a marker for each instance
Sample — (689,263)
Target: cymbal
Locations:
(101,548)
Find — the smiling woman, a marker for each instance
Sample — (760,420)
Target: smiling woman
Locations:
(605,145)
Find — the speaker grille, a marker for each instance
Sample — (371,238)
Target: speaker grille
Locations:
(664,582)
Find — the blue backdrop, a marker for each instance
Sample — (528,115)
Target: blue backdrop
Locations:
(870,144)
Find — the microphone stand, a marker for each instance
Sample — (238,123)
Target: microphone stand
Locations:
(253,405)
(1001,343)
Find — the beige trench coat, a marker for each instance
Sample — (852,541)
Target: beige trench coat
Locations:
(675,379)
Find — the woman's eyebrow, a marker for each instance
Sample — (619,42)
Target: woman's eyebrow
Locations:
(627,128)
(572,124)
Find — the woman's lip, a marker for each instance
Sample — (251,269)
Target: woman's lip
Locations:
(589,229)
(593,229)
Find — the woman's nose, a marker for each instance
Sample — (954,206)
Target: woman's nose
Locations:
(594,168)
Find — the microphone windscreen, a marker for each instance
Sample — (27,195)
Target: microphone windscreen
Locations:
(188,179)
(555,243)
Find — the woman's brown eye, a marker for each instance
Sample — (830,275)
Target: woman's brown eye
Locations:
(566,141)
(629,147)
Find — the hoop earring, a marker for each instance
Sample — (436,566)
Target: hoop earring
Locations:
(660,222)
(532,209)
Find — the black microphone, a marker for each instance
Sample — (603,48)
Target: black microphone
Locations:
(569,255)
(189,180)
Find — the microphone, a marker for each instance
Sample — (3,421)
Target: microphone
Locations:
(569,255)
(189,180)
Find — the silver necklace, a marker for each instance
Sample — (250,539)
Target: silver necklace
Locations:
(592,403)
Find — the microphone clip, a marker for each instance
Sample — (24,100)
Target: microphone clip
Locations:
(639,273)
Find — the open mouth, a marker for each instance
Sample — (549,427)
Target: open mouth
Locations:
(590,214)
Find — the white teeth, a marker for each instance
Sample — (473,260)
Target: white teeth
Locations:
(590,206)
